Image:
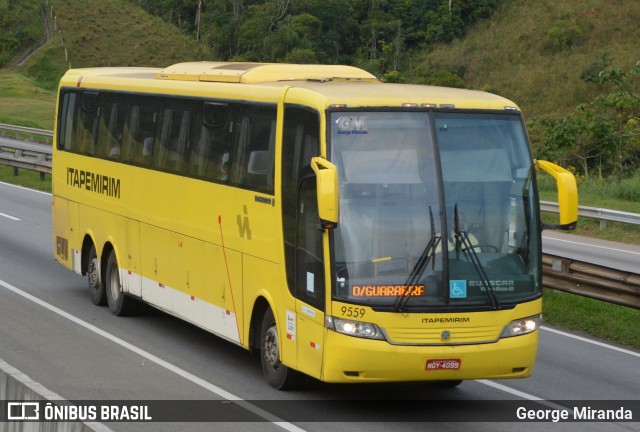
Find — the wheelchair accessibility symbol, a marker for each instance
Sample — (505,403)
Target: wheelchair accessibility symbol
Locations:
(458,289)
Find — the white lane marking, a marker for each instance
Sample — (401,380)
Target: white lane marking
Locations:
(510,390)
(522,394)
(593,342)
(531,397)
(9,217)
(169,366)
(25,188)
(592,245)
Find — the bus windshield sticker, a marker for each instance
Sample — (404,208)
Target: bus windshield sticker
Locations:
(311,282)
(348,125)
(458,288)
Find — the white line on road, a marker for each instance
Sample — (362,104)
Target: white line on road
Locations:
(9,217)
(528,396)
(593,342)
(590,245)
(510,390)
(169,366)
(522,394)
(25,188)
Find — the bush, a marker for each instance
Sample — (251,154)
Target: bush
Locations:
(444,78)
(393,76)
(622,188)
(563,35)
(301,56)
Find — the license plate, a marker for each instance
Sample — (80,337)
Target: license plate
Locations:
(443,364)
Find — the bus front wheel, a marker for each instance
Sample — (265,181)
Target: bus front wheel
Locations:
(96,287)
(277,375)
(119,303)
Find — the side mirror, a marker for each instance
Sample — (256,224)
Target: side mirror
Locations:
(327,182)
(567,194)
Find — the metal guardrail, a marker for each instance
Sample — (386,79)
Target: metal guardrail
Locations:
(591,280)
(31,133)
(24,151)
(601,214)
(614,285)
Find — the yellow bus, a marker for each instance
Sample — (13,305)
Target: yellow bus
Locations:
(344,228)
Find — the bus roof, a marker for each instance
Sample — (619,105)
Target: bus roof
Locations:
(252,73)
(327,84)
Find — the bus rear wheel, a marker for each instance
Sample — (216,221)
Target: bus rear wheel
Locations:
(277,375)
(119,303)
(94,281)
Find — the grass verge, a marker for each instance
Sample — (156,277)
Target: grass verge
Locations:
(26,178)
(23,103)
(594,317)
(609,194)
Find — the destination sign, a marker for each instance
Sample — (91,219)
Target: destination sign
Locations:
(386,290)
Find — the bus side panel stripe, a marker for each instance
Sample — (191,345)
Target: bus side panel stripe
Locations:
(208,316)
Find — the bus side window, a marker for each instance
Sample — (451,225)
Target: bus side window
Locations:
(253,154)
(171,150)
(129,129)
(67,114)
(211,142)
(110,124)
(140,130)
(86,123)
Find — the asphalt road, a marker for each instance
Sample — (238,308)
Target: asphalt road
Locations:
(50,330)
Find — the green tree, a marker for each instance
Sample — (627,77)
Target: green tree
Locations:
(622,107)
(604,133)
(375,34)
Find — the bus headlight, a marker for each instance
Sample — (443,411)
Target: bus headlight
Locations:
(522,326)
(353,328)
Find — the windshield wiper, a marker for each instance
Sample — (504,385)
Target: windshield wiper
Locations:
(462,238)
(418,269)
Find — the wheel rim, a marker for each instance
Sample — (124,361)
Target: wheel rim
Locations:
(271,348)
(94,278)
(114,284)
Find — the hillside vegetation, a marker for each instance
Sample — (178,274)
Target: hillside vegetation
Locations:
(535,51)
(108,33)
(24,103)
(94,33)
(573,68)
(20,28)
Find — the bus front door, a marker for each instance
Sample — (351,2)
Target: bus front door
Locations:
(310,284)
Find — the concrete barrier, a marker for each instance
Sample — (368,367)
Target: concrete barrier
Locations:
(16,386)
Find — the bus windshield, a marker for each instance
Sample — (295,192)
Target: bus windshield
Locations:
(461,183)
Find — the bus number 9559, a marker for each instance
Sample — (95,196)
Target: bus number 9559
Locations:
(352,312)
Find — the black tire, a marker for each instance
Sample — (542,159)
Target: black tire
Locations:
(277,375)
(119,303)
(94,280)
